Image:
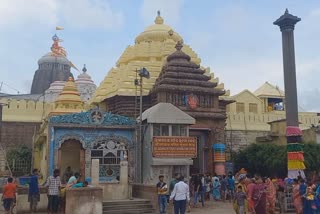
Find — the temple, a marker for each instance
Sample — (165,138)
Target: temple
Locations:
(54,66)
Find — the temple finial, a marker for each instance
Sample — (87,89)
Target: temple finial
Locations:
(179,45)
(287,11)
(159,19)
(84,69)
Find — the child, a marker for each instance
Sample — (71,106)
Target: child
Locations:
(240,199)
(9,195)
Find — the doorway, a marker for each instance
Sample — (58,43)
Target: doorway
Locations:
(71,153)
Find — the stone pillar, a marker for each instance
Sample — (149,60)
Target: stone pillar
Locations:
(295,155)
(95,172)
(286,23)
(124,172)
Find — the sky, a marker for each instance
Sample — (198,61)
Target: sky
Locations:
(236,39)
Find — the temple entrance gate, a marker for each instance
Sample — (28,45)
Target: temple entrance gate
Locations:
(71,153)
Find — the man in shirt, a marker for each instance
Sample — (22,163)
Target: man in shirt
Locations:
(162,188)
(53,184)
(9,195)
(180,195)
(34,194)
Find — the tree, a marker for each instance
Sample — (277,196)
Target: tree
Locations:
(271,159)
(19,160)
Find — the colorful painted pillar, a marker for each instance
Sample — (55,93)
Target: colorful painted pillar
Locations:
(219,158)
(295,152)
(287,23)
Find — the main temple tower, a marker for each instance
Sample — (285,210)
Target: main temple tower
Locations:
(54,66)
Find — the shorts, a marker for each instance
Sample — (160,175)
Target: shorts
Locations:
(7,203)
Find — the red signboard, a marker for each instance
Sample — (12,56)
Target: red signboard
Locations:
(174,147)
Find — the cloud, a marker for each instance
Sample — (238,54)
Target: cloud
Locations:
(79,14)
(85,14)
(170,10)
(20,12)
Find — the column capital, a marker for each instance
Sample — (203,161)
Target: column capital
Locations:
(287,21)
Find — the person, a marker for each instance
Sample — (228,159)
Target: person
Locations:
(80,184)
(308,199)
(249,193)
(162,189)
(9,195)
(296,197)
(180,195)
(208,186)
(67,174)
(271,196)
(231,187)
(53,184)
(198,191)
(73,180)
(34,193)
(259,196)
(239,198)
(280,187)
(173,182)
(224,187)
(216,189)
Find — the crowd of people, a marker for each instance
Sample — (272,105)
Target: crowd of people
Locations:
(56,188)
(249,195)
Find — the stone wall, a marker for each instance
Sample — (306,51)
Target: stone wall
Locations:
(23,205)
(148,192)
(238,139)
(15,134)
(115,191)
(84,200)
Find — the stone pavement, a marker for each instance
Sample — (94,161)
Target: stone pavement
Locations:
(213,207)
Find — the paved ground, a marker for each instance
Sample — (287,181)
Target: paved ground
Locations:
(214,207)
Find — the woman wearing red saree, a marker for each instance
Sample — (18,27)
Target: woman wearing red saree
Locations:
(297,202)
(271,196)
(259,196)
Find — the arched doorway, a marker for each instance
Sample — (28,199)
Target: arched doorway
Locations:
(71,153)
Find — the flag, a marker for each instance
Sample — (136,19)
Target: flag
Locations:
(59,28)
(73,66)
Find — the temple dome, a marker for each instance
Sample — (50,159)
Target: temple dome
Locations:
(151,49)
(85,85)
(84,77)
(54,90)
(49,58)
(69,94)
(158,32)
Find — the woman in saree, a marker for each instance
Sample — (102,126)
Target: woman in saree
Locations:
(250,188)
(259,196)
(271,196)
(297,201)
(216,189)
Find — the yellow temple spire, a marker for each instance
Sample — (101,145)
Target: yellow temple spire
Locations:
(69,100)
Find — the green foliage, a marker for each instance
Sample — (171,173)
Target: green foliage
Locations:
(19,160)
(271,159)
(265,159)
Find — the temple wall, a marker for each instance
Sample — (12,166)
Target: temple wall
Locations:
(15,134)
(240,139)
(259,122)
(25,110)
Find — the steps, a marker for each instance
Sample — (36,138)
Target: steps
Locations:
(135,206)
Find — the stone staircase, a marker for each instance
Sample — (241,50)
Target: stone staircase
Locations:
(135,206)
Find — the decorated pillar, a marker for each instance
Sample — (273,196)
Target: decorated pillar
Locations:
(219,158)
(296,166)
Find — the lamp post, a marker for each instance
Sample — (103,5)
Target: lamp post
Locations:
(143,73)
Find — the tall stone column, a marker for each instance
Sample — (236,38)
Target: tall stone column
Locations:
(287,23)
(294,147)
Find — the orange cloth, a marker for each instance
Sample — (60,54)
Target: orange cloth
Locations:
(9,190)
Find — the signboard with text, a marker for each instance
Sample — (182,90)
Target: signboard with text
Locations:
(174,147)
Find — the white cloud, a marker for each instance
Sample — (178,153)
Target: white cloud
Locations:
(89,14)
(80,14)
(24,12)
(170,10)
